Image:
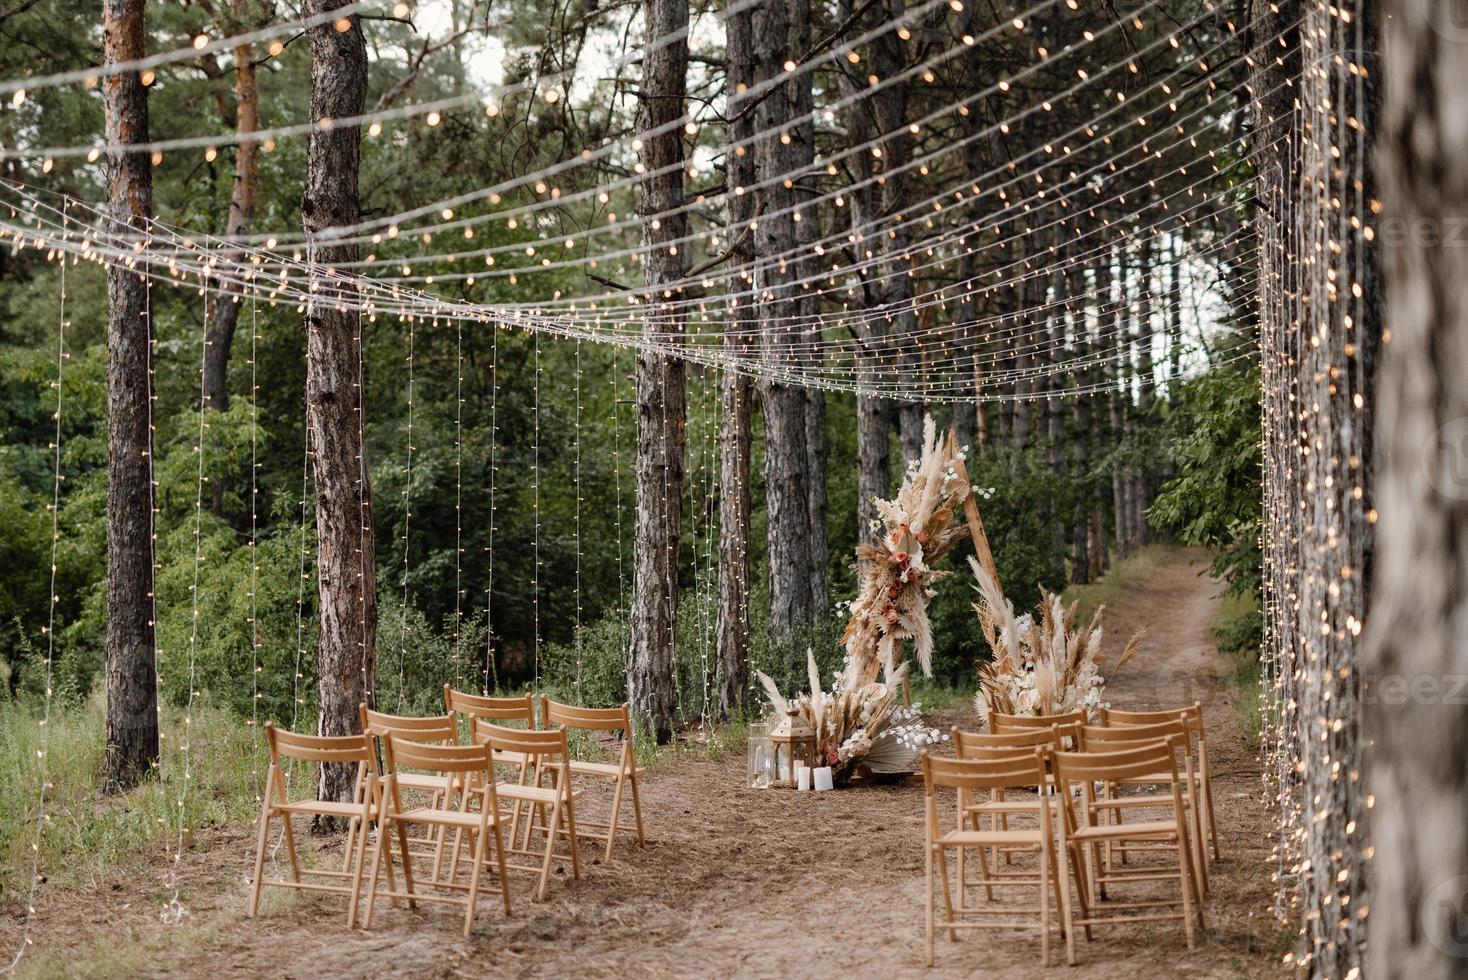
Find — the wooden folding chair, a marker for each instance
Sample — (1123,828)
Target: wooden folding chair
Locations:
(1192,715)
(1022,769)
(469,774)
(500,710)
(1114,804)
(433,730)
(1075,775)
(623,772)
(999,724)
(359,813)
(549,795)
(999,807)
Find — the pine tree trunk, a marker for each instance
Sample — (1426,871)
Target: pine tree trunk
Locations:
(1418,627)
(735,431)
(346,651)
(132,677)
(873,413)
(219,334)
(1080,417)
(787,486)
(661,397)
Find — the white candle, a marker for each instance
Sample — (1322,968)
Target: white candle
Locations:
(802,777)
(823,779)
(785,772)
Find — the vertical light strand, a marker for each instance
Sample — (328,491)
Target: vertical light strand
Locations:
(458,499)
(175,912)
(407,525)
(490,671)
(367,693)
(254,544)
(576,528)
(535,508)
(43,753)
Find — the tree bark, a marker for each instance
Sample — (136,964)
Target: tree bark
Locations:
(661,397)
(346,650)
(778,157)
(735,429)
(132,676)
(1419,597)
(1080,419)
(873,412)
(219,335)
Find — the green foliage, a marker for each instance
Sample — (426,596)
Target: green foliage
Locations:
(1212,441)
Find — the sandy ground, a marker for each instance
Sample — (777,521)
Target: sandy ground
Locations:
(732,882)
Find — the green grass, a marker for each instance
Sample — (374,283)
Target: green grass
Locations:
(1119,579)
(87,834)
(1244,661)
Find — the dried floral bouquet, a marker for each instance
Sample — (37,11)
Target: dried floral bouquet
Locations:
(858,724)
(1039,668)
(916,529)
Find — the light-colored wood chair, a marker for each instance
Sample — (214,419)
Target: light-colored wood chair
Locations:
(359,813)
(507,711)
(1192,715)
(544,788)
(469,772)
(1024,769)
(433,730)
(1000,724)
(1075,775)
(1114,803)
(999,807)
(623,772)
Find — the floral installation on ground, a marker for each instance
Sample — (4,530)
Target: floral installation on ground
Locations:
(858,725)
(917,528)
(1044,668)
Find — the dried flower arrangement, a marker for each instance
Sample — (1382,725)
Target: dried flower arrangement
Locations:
(917,528)
(858,724)
(1044,668)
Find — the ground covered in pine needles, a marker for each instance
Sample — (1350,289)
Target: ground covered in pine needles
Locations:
(732,882)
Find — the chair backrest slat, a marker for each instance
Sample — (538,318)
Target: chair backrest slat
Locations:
(1100,737)
(595,719)
(414,754)
(435,728)
(1149,760)
(999,723)
(547,743)
(474,706)
(981,744)
(316,748)
(1023,768)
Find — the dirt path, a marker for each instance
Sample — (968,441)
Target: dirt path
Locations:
(733,881)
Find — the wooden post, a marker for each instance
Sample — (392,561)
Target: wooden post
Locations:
(971,514)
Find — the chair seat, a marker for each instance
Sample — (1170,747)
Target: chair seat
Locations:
(424,781)
(1160,777)
(326,808)
(983,838)
(534,794)
(608,769)
(1150,799)
(446,818)
(1142,829)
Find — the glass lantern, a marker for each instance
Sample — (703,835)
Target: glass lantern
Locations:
(759,764)
(792,743)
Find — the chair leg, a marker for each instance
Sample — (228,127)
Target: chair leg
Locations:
(260,856)
(407,862)
(929,907)
(290,847)
(947,896)
(377,856)
(1212,821)
(550,844)
(1045,872)
(499,856)
(1187,883)
(1067,914)
(571,834)
(612,822)
(636,804)
(474,874)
